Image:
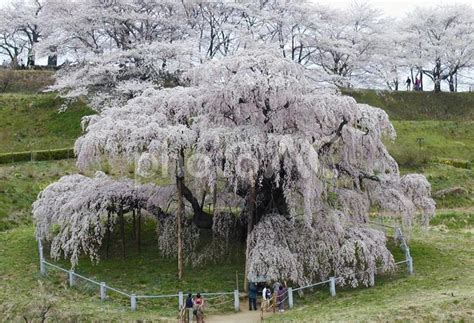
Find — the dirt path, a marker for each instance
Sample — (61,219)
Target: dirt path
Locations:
(244,316)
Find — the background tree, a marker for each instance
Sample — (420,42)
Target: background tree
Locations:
(24,16)
(442,39)
(347,39)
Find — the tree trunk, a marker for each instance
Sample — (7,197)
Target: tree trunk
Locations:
(139,231)
(122,230)
(134,225)
(30,62)
(451,82)
(421,80)
(214,199)
(180,213)
(456,82)
(252,203)
(107,243)
(437,85)
(52,60)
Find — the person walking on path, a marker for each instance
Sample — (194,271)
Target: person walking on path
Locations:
(198,308)
(252,296)
(281,298)
(408,83)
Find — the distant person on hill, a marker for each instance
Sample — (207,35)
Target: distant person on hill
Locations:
(198,308)
(408,83)
(417,84)
(252,296)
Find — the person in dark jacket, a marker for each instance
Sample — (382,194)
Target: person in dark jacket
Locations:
(252,296)
(281,297)
(189,301)
(408,83)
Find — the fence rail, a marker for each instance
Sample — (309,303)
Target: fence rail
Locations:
(103,287)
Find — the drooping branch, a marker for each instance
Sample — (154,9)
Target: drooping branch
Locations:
(336,135)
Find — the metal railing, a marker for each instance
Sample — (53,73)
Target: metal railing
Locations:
(133,298)
(103,287)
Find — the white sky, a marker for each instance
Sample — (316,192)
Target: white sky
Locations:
(395,8)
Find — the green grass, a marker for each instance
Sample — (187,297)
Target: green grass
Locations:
(445,140)
(419,105)
(20,184)
(147,273)
(440,289)
(454,220)
(33,122)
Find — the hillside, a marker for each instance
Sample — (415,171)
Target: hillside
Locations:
(418,106)
(34,122)
(25,81)
(435,137)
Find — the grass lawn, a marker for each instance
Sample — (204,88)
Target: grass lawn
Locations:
(20,184)
(441,287)
(419,142)
(33,122)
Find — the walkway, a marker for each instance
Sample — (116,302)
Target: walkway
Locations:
(244,316)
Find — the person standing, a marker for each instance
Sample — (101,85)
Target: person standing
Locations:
(281,298)
(198,306)
(189,307)
(252,296)
(408,83)
(266,296)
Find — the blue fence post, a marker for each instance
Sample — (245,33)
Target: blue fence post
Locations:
(180,300)
(290,297)
(332,286)
(410,265)
(71,278)
(236,300)
(103,291)
(133,302)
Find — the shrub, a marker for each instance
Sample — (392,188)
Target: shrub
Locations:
(466,164)
(39,155)
(409,156)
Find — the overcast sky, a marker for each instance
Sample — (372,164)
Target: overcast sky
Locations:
(396,8)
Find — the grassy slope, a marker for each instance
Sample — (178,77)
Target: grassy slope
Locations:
(33,122)
(25,81)
(20,183)
(419,105)
(433,131)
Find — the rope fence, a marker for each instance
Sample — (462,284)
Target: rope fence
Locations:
(133,298)
(235,296)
